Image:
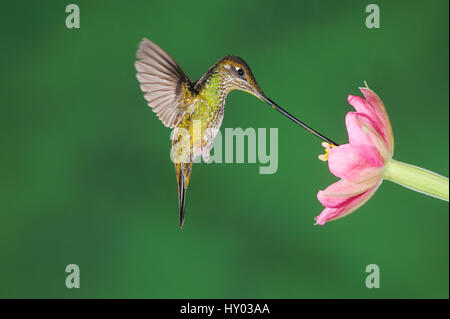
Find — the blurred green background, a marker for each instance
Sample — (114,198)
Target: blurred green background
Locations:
(86,176)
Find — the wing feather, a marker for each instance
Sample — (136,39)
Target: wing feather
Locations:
(161,79)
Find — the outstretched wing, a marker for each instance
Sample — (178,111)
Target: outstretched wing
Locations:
(163,81)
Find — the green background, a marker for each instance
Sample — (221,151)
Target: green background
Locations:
(86,178)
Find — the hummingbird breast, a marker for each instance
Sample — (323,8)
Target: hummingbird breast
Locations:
(204,116)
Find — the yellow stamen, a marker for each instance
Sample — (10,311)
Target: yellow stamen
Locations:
(327,147)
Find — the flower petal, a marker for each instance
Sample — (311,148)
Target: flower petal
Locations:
(340,193)
(329,214)
(362,133)
(348,160)
(382,114)
(378,139)
(363,106)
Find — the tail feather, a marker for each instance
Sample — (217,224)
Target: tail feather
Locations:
(183,177)
(181,199)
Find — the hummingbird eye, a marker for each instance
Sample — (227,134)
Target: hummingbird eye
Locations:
(240,72)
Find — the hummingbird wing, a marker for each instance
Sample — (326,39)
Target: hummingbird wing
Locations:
(163,82)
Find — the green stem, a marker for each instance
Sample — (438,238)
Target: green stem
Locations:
(418,179)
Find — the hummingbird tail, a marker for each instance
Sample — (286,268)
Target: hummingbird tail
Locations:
(181,199)
(183,177)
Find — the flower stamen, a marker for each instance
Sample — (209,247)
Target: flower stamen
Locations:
(327,147)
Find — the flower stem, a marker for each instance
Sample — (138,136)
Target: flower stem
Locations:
(418,179)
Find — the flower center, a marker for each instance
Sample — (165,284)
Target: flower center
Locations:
(327,147)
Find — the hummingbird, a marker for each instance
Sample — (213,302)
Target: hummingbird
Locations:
(183,105)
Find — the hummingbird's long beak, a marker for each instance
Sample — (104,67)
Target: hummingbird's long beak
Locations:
(285,113)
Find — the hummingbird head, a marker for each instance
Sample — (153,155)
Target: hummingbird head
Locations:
(237,75)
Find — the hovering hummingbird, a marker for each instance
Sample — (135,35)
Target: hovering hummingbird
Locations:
(179,103)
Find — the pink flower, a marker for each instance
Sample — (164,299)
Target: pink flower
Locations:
(359,164)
